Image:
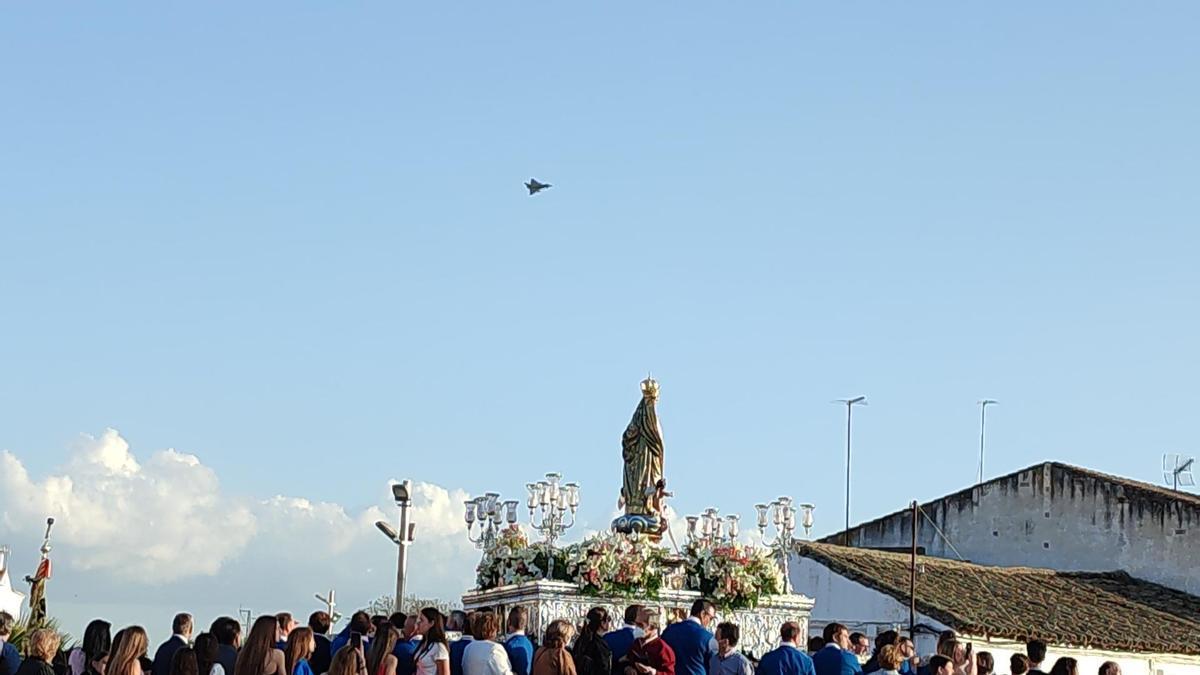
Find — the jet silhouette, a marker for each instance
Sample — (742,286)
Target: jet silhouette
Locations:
(536,187)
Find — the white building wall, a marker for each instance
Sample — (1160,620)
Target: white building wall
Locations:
(871,612)
(1050,516)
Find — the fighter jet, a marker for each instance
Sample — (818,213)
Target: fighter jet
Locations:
(536,187)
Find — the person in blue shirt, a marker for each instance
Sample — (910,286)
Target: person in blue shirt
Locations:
(835,658)
(516,644)
(460,623)
(406,646)
(620,640)
(10,658)
(788,658)
(693,645)
(360,622)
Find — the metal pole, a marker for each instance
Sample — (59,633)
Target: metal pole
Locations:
(846,532)
(402,544)
(912,579)
(982,422)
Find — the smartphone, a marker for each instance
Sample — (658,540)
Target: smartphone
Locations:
(356,640)
(970,648)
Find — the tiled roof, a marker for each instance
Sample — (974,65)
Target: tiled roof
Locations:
(1104,610)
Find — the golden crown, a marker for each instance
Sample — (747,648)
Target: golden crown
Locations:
(650,387)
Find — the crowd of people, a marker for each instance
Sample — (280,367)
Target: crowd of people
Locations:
(432,643)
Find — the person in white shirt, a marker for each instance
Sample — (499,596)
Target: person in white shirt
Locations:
(485,656)
(433,654)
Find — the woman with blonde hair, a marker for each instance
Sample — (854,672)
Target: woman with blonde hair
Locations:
(301,643)
(40,652)
(890,659)
(128,649)
(381,660)
(348,661)
(553,657)
(483,655)
(259,655)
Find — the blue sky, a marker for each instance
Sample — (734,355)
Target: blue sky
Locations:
(291,239)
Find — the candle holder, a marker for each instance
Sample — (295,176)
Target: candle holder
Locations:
(485,516)
(551,503)
(782,513)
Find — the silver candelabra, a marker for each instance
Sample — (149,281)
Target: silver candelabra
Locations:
(550,503)
(782,513)
(710,529)
(486,515)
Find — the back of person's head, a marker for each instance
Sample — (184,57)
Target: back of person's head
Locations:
(206,652)
(631,614)
(345,662)
(947,634)
(129,646)
(832,630)
(97,639)
(518,619)
(227,630)
(1018,664)
(559,634)
(43,644)
(887,637)
(485,626)
(985,663)
(701,607)
(182,624)
(597,621)
(890,657)
(300,646)
(789,631)
(378,621)
(320,623)
(184,662)
(386,637)
(285,620)
(1110,668)
(6,624)
(360,622)
(948,648)
(1065,666)
(1036,651)
(937,662)
(252,659)
(398,619)
(816,643)
(855,638)
(457,622)
(730,632)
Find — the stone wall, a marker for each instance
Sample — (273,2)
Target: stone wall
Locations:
(1057,517)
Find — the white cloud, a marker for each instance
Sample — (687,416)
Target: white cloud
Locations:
(163,527)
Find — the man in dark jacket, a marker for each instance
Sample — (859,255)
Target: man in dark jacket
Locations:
(181,635)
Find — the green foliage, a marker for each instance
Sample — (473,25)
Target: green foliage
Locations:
(21,630)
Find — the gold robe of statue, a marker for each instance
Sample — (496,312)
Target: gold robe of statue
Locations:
(642,451)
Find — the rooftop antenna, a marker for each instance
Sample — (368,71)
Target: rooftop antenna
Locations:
(1177,470)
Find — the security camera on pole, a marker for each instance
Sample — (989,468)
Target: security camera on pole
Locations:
(402,493)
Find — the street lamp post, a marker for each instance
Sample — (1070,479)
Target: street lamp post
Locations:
(849,403)
(982,421)
(402,493)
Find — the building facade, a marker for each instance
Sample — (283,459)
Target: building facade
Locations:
(1093,617)
(1060,517)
